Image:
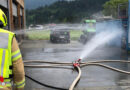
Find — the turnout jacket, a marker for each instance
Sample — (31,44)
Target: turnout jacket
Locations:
(11,65)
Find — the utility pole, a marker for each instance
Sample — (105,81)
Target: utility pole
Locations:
(128,42)
(10,15)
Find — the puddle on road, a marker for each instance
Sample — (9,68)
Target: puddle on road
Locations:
(50,50)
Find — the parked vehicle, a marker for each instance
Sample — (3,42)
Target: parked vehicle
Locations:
(37,27)
(89,31)
(60,36)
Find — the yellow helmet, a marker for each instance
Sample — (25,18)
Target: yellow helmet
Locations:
(3,19)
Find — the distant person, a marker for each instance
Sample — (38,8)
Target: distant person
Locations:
(11,64)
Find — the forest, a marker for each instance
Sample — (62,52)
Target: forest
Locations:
(72,11)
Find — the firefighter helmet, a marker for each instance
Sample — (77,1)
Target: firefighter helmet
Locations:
(3,19)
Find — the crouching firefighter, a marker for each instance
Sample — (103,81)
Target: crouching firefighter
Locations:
(12,74)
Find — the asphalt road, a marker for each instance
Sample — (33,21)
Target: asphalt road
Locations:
(93,77)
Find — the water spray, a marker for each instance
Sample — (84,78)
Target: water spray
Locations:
(79,60)
(98,40)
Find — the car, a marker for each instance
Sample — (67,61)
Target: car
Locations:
(37,27)
(60,36)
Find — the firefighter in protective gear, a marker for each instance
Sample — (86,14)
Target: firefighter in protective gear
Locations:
(11,64)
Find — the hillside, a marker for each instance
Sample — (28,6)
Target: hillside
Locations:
(64,12)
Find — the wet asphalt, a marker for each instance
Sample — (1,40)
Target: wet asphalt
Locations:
(93,77)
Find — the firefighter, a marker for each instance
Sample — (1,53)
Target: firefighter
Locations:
(11,65)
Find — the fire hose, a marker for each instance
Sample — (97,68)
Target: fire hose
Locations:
(77,65)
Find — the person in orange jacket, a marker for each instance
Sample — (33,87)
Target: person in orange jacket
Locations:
(12,73)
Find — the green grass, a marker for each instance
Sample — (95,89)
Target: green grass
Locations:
(45,34)
(38,35)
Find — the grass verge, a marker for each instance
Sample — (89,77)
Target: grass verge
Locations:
(45,34)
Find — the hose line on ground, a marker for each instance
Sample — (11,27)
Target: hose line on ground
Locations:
(76,80)
(49,66)
(49,86)
(106,66)
(82,64)
(45,66)
(108,61)
(69,63)
(39,61)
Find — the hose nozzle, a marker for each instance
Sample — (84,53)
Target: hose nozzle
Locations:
(79,60)
(77,63)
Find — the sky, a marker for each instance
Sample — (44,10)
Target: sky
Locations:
(33,4)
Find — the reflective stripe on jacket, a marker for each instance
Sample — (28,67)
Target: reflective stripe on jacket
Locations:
(20,84)
(16,55)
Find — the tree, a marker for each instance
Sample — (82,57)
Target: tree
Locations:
(111,7)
